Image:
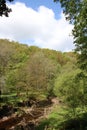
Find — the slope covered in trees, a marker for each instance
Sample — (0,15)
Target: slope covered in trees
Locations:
(24,68)
(29,72)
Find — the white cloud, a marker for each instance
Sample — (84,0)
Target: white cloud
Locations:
(41,27)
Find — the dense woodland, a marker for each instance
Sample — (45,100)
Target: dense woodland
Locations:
(29,72)
(24,68)
(31,77)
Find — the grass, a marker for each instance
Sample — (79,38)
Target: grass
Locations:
(54,119)
(62,119)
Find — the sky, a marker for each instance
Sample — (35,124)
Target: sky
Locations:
(39,23)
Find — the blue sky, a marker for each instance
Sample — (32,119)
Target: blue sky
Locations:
(56,7)
(37,22)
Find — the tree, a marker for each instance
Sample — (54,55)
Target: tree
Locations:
(75,11)
(40,73)
(37,74)
(12,58)
(4,10)
(6,52)
(70,89)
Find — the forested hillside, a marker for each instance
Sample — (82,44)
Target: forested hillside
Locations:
(25,68)
(29,72)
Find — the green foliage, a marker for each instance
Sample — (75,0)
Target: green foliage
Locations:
(55,121)
(66,88)
(40,72)
(75,12)
(71,88)
(28,70)
(34,73)
(56,56)
(60,119)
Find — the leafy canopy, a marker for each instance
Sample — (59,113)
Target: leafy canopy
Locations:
(75,12)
